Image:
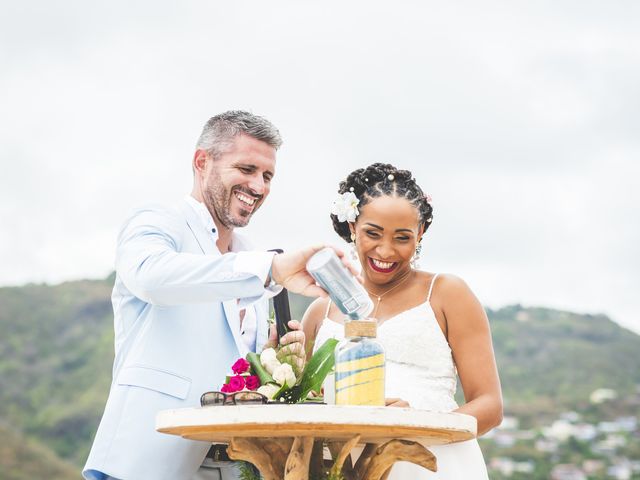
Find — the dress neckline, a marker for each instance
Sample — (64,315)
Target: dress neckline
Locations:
(396,317)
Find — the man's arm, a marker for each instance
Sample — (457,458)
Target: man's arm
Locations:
(150,265)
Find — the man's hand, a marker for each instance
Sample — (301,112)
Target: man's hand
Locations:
(289,270)
(292,346)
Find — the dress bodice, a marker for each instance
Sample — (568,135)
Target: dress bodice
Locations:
(420,369)
(419,363)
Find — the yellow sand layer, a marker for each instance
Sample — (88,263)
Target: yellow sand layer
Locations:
(364,376)
(361,363)
(371,393)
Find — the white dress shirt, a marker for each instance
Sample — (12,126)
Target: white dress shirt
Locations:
(247,326)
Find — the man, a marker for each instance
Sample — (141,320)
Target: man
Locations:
(189,300)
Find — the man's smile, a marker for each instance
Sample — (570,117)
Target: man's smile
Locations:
(244,198)
(248,201)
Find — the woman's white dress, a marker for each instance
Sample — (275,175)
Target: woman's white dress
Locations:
(420,370)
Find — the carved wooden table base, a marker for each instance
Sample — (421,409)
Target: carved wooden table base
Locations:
(300,457)
(287,441)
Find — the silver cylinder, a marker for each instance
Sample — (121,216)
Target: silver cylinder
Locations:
(343,288)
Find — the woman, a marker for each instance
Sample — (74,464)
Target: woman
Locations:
(431,325)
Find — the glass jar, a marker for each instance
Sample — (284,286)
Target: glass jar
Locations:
(359,368)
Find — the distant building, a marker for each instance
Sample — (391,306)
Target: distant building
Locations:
(504,439)
(504,465)
(567,472)
(559,430)
(593,467)
(626,424)
(507,466)
(509,423)
(610,444)
(584,432)
(525,467)
(602,395)
(570,416)
(621,470)
(525,434)
(546,445)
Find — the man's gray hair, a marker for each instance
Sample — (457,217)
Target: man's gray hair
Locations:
(219,131)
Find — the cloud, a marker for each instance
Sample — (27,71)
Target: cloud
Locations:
(520,120)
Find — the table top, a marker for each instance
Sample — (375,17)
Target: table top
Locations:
(375,424)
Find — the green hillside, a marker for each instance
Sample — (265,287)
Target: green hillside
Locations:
(550,361)
(56,352)
(23,459)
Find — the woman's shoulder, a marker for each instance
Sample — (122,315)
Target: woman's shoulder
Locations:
(455,300)
(445,284)
(441,280)
(450,280)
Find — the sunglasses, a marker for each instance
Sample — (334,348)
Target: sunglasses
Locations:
(213,399)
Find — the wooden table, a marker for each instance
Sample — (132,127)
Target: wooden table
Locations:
(287,441)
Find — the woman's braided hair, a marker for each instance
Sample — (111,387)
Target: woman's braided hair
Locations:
(374,181)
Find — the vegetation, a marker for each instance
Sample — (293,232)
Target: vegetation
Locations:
(25,459)
(56,353)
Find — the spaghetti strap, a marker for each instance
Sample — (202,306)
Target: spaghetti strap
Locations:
(326,314)
(433,280)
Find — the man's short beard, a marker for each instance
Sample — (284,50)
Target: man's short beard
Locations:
(218,202)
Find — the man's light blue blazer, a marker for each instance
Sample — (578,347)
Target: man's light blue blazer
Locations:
(176,321)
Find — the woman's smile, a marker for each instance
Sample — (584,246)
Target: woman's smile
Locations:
(380,266)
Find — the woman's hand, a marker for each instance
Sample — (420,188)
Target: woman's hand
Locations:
(396,402)
(292,346)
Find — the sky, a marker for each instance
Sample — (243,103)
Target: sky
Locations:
(521,119)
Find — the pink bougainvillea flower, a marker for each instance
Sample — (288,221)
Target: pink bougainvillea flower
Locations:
(252,382)
(236,383)
(241,366)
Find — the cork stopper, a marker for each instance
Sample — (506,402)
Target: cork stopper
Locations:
(360,328)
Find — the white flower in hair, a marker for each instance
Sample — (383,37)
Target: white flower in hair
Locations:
(345,207)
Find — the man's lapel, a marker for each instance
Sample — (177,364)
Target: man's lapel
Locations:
(233,319)
(207,243)
(205,239)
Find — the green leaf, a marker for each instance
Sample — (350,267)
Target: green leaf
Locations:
(314,373)
(254,360)
(282,392)
(248,471)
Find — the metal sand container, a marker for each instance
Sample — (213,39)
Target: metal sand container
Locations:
(343,288)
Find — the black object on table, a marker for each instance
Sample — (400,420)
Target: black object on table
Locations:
(281,309)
